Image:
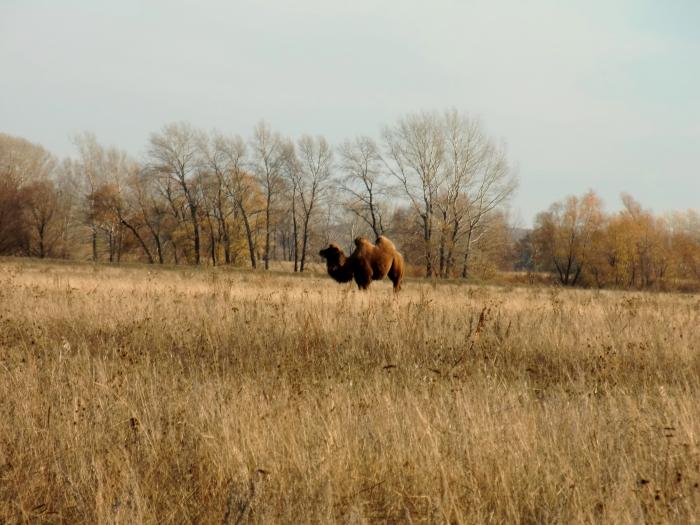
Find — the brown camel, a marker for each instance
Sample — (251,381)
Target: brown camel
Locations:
(369,262)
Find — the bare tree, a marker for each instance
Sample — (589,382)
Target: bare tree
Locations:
(361,165)
(292,174)
(23,161)
(174,155)
(464,145)
(215,211)
(105,201)
(477,181)
(415,149)
(268,161)
(116,202)
(226,157)
(66,179)
(492,185)
(200,192)
(88,166)
(151,211)
(43,213)
(93,175)
(315,165)
(25,168)
(125,196)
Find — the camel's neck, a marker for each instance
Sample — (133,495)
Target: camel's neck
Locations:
(340,271)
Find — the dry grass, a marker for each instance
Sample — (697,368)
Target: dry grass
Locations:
(168,396)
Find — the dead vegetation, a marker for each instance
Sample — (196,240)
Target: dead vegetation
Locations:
(136,395)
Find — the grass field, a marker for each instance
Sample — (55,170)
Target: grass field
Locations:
(145,395)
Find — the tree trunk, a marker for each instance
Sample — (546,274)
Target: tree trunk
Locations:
(227,242)
(427,235)
(94,244)
(156,239)
(295,234)
(110,243)
(305,241)
(195,225)
(577,274)
(450,250)
(249,235)
(567,274)
(119,244)
(266,256)
(443,242)
(467,253)
(443,272)
(212,241)
(41,241)
(159,249)
(141,241)
(175,257)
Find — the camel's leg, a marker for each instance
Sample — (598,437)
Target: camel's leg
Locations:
(397,284)
(396,275)
(362,283)
(363,276)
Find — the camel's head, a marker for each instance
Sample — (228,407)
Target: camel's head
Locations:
(333,254)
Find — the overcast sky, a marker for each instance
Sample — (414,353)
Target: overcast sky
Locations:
(596,94)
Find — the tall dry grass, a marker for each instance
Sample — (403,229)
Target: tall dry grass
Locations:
(135,395)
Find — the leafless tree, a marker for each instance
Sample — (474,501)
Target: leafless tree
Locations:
(93,175)
(42,204)
(23,162)
(215,212)
(415,151)
(361,165)
(478,179)
(116,203)
(315,167)
(66,178)
(268,158)
(174,155)
(125,195)
(25,183)
(492,185)
(151,211)
(103,174)
(201,193)
(292,174)
(226,157)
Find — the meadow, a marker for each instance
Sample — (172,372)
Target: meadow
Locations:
(181,395)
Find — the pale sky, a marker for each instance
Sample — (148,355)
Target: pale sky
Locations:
(596,94)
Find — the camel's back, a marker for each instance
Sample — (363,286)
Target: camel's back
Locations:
(382,257)
(363,248)
(385,244)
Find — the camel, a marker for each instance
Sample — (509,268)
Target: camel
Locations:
(369,262)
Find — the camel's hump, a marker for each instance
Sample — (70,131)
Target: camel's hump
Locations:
(359,241)
(381,240)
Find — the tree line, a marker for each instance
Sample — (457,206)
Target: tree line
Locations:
(435,182)
(581,244)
